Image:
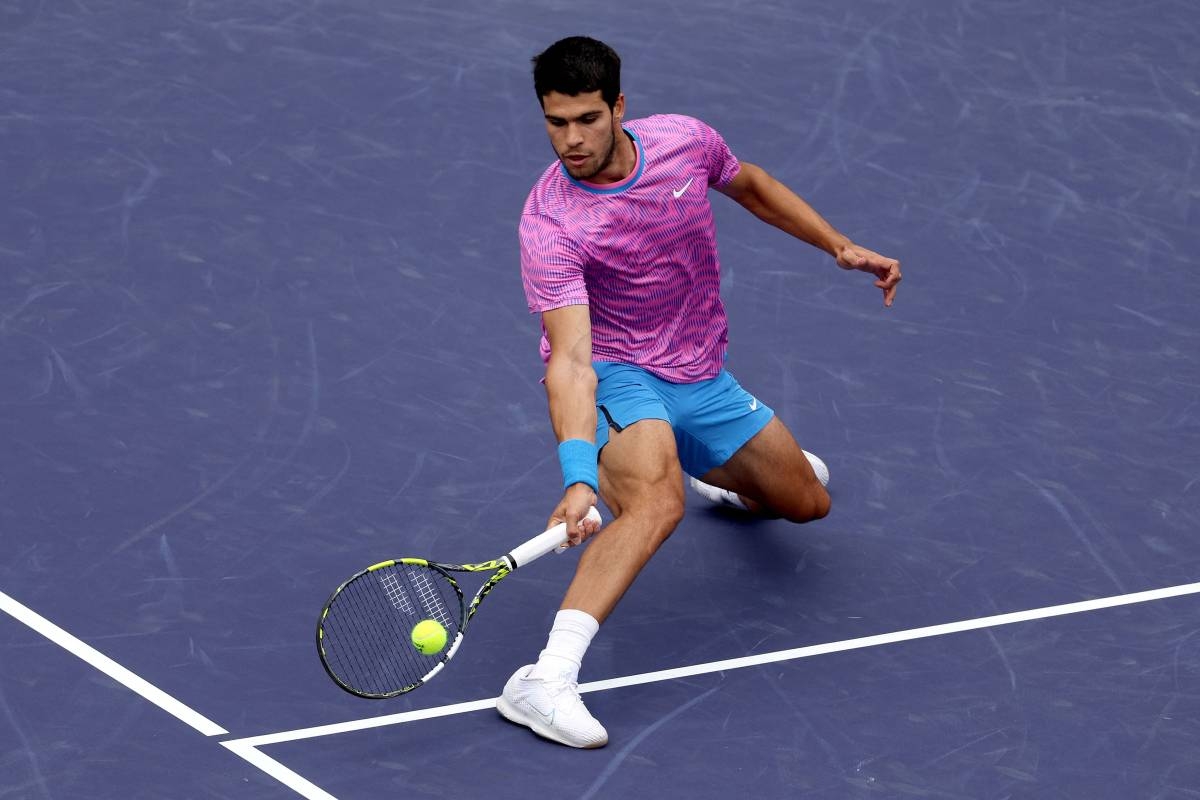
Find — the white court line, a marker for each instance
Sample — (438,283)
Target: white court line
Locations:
(739,663)
(301,786)
(109,667)
(363,724)
(160,698)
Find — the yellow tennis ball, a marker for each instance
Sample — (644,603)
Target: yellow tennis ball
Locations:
(429,637)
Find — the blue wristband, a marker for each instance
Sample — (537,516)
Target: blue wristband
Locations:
(577,457)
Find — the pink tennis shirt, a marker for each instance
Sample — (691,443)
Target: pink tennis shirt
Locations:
(641,254)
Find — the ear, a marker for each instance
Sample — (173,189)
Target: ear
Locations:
(619,107)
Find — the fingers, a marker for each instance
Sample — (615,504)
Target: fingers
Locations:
(573,511)
(574,529)
(579,527)
(887,270)
(586,528)
(888,281)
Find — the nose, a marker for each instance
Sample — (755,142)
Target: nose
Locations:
(574,135)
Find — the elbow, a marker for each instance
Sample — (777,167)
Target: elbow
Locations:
(584,375)
(566,371)
(755,199)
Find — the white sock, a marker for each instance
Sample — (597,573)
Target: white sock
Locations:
(570,636)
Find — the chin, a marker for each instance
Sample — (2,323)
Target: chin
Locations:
(577,173)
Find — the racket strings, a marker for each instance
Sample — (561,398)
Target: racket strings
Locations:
(427,595)
(396,594)
(366,634)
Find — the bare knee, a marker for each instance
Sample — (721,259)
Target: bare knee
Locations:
(810,505)
(670,512)
(658,512)
(664,512)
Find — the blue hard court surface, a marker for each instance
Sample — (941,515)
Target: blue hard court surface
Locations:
(261,324)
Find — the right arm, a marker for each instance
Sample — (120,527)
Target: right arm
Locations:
(571,393)
(552,268)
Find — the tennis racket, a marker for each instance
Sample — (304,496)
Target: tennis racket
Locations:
(365,629)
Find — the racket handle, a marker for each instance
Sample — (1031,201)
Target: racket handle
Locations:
(543,543)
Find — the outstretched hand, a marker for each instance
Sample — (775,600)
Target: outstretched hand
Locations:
(886,270)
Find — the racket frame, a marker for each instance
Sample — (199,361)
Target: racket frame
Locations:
(553,539)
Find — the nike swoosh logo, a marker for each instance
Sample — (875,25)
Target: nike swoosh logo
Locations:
(754,404)
(548,717)
(679,192)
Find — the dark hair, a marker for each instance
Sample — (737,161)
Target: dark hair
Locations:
(578,65)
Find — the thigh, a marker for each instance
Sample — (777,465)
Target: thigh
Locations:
(641,483)
(713,420)
(771,469)
(639,470)
(624,395)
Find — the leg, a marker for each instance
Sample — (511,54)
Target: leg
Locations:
(773,477)
(641,482)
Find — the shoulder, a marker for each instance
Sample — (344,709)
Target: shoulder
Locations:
(549,195)
(667,126)
(547,215)
(677,136)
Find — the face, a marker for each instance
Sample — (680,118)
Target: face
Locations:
(583,131)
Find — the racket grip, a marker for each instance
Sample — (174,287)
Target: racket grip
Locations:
(543,543)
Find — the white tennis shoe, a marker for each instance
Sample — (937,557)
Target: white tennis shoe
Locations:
(818,467)
(724,497)
(716,495)
(550,708)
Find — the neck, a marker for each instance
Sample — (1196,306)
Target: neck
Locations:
(623,162)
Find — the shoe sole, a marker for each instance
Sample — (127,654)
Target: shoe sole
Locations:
(510,713)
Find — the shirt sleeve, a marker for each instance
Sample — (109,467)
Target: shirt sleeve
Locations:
(722,165)
(551,265)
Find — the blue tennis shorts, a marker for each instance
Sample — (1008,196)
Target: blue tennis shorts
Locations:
(712,419)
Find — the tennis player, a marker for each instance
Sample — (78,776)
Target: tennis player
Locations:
(619,257)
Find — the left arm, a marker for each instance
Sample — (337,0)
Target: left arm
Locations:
(776,204)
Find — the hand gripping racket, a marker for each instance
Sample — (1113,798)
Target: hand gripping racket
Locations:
(364,632)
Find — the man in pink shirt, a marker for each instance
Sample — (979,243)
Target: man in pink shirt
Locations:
(619,257)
